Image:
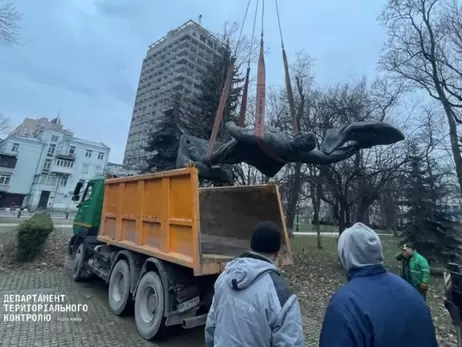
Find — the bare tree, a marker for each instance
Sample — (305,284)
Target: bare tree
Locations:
(9,18)
(424,51)
(245,48)
(352,186)
(296,179)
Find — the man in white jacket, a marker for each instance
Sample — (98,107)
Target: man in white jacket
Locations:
(252,305)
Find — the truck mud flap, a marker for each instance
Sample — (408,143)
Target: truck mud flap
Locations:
(189,323)
(70,245)
(454,312)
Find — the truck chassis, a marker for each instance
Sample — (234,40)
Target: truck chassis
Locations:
(159,293)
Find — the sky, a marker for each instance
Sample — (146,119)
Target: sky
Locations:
(82,58)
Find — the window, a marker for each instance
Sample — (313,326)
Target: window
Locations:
(71,150)
(7,161)
(64,163)
(15,147)
(63,181)
(51,150)
(46,179)
(54,138)
(88,153)
(5,179)
(47,164)
(85,168)
(100,155)
(98,170)
(87,194)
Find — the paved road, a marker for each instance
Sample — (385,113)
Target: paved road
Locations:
(96,327)
(25,215)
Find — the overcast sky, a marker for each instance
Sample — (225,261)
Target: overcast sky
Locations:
(82,58)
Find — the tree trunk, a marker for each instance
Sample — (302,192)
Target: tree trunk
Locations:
(317,206)
(454,142)
(347,216)
(293,197)
(343,216)
(341,220)
(315,193)
(362,212)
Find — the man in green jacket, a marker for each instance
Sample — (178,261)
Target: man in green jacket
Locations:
(416,270)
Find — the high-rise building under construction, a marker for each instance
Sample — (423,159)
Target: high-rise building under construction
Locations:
(174,64)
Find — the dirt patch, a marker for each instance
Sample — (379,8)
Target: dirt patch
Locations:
(54,254)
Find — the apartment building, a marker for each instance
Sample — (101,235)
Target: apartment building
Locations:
(40,164)
(174,64)
(31,127)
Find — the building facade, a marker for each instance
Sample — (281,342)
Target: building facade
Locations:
(174,64)
(34,127)
(40,167)
(118,170)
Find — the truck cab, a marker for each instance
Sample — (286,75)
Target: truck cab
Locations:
(89,198)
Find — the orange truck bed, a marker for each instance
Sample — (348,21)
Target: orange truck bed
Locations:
(166,215)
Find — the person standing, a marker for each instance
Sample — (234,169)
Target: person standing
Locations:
(252,305)
(375,308)
(415,269)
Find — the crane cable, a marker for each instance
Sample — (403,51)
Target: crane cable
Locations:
(261,84)
(242,28)
(262,16)
(225,92)
(253,33)
(279,24)
(290,94)
(245,91)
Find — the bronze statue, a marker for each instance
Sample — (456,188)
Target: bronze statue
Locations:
(276,149)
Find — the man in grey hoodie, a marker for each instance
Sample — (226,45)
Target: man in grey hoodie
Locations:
(252,305)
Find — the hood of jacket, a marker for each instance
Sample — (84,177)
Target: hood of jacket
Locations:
(359,246)
(244,271)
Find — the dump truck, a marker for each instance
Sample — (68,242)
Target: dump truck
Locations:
(160,241)
(453,297)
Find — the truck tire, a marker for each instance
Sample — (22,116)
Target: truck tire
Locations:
(149,307)
(119,288)
(78,271)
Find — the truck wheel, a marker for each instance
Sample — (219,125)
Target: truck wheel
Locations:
(149,306)
(119,288)
(78,272)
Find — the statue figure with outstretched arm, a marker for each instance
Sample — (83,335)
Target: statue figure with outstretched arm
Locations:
(276,149)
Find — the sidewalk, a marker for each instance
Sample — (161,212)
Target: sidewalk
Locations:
(59,226)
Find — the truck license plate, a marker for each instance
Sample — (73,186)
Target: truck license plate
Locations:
(184,306)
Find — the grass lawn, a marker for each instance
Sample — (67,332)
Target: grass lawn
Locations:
(311,228)
(308,227)
(316,274)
